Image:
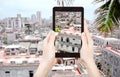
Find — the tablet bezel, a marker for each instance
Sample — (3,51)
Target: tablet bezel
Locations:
(69,9)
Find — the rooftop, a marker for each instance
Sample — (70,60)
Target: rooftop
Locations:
(18,59)
(113,50)
(71,30)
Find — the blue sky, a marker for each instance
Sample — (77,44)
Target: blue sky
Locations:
(9,8)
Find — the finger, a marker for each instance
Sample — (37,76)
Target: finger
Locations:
(84,40)
(47,37)
(86,29)
(89,39)
(52,38)
(56,33)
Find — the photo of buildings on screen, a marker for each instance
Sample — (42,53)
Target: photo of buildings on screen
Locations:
(68,26)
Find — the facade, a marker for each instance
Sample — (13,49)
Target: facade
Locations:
(16,23)
(18,70)
(109,60)
(17,65)
(65,19)
(69,41)
(21,59)
(10,37)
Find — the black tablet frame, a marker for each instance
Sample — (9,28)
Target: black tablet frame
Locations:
(69,9)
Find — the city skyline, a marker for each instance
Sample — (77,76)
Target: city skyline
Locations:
(27,8)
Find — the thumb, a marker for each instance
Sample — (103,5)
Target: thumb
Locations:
(84,40)
(52,38)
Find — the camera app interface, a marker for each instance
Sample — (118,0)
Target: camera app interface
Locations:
(68,24)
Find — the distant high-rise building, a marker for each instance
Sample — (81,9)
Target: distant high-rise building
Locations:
(39,19)
(19,21)
(16,23)
(33,18)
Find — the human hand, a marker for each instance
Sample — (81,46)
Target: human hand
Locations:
(49,48)
(48,57)
(87,57)
(87,46)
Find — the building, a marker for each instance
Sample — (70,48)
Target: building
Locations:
(69,41)
(39,19)
(66,19)
(16,23)
(33,18)
(110,57)
(10,36)
(17,65)
(111,62)
(21,59)
(24,70)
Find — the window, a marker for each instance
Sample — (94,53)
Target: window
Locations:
(73,49)
(12,49)
(67,40)
(73,39)
(33,50)
(30,73)
(12,53)
(12,62)
(61,38)
(40,52)
(61,45)
(24,62)
(36,61)
(7,73)
(1,62)
(67,46)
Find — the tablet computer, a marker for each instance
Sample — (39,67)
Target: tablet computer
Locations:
(68,22)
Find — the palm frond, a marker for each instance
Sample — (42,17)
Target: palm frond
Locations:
(97,1)
(108,15)
(103,7)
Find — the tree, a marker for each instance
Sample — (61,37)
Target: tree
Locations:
(64,2)
(108,15)
(108,70)
(99,65)
(57,29)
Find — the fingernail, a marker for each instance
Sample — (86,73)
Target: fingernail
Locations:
(82,34)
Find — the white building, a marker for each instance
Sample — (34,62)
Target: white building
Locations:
(69,41)
(16,23)
(10,37)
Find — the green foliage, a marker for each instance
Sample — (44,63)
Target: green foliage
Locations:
(108,15)
(99,65)
(5,40)
(57,29)
(108,69)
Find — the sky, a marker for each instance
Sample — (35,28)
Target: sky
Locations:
(10,8)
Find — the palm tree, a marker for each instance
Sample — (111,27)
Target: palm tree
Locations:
(108,15)
(64,2)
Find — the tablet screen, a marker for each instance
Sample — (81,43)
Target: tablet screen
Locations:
(68,23)
(67,20)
